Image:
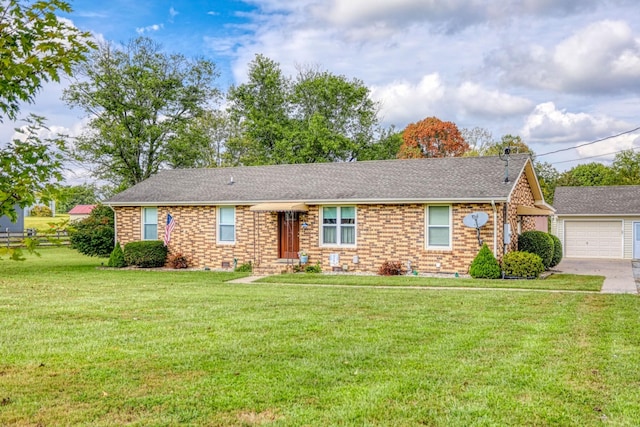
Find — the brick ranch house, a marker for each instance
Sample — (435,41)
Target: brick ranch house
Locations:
(350,216)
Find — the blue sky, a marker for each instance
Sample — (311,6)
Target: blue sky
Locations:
(557,73)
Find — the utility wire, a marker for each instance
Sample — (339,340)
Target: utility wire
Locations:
(593,157)
(589,143)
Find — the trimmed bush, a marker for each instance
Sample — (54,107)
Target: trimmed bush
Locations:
(539,243)
(485,265)
(145,254)
(116,259)
(522,264)
(557,251)
(94,235)
(391,268)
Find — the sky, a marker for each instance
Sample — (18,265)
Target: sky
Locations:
(558,73)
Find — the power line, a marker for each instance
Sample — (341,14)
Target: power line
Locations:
(589,143)
(598,155)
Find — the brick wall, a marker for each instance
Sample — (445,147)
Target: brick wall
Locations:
(383,232)
(520,196)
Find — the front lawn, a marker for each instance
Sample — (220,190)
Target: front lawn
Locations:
(85,346)
(41,223)
(565,282)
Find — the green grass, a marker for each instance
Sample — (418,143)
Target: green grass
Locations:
(87,346)
(42,223)
(566,282)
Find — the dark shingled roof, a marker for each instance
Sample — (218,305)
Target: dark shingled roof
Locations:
(602,200)
(451,178)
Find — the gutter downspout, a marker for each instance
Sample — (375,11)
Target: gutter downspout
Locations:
(495,228)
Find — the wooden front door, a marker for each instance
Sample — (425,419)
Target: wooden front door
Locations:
(288,231)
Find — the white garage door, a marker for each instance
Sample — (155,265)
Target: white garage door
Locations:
(593,239)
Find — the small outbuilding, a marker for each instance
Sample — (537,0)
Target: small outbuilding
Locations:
(598,222)
(80,212)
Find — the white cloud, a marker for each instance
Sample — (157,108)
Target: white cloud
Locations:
(403,102)
(547,124)
(602,57)
(609,147)
(448,16)
(473,99)
(149,28)
(172,13)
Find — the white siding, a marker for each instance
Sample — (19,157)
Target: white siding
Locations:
(628,236)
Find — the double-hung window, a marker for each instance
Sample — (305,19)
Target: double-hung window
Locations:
(339,225)
(439,227)
(226,224)
(149,223)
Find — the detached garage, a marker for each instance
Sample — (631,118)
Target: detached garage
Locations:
(598,222)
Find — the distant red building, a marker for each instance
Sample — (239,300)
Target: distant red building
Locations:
(80,212)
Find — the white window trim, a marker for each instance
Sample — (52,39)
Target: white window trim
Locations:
(142,223)
(218,224)
(338,226)
(426,229)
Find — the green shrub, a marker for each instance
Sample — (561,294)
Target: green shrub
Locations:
(313,268)
(116,259)
(94,235)
(245,268)
(557,251)
(391,268)
(41,211)
(145,254)
(485,265)
(522,264)
(539,243)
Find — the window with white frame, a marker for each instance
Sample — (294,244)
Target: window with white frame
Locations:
(339,225)
(439,226)
(149,223)
(226,224)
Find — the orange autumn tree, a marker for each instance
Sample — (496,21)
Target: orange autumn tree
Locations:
(432,137)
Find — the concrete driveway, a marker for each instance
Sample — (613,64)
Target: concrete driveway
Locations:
(619,274)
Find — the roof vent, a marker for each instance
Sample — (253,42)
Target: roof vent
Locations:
(231,181)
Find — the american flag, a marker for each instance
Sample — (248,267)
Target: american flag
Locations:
(171,223)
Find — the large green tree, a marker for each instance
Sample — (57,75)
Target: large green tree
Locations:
(72,195)
(548,178)
(205,142)
(315,117)
(139,99)
(587,174)
(35,47)
(335,117)
(262,107)
(30,168)
(626,168)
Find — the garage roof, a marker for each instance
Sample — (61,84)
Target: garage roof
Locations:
(601,200)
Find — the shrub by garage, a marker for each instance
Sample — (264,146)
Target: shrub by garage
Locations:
(539,243)
(557,251)
(519,264)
